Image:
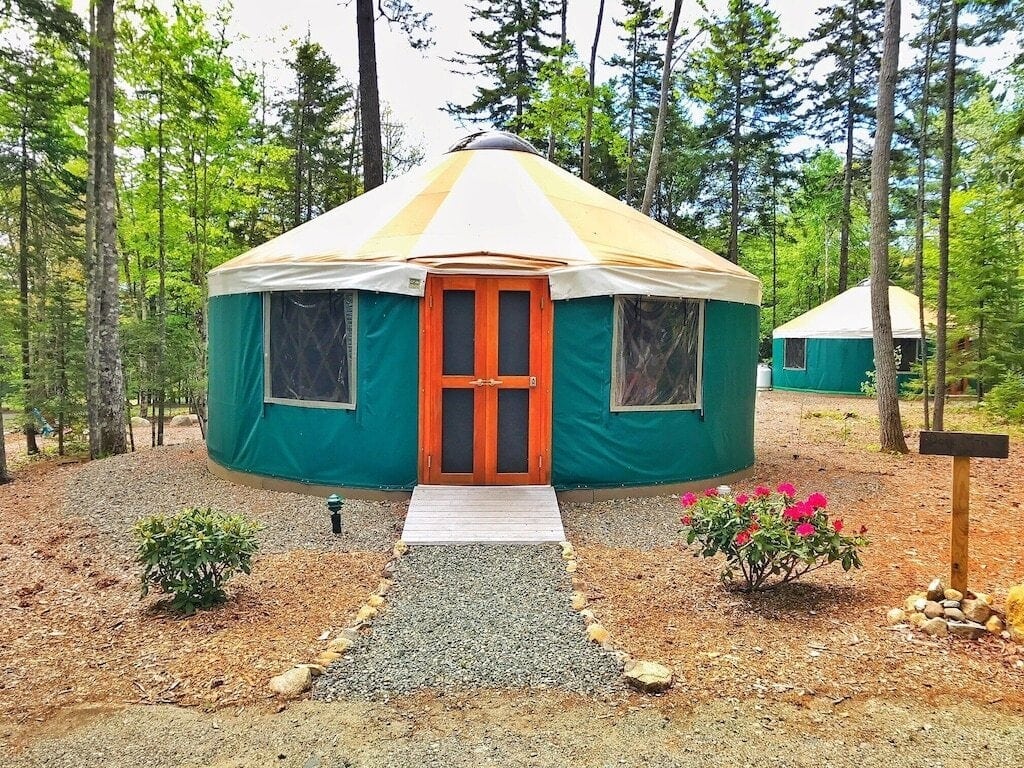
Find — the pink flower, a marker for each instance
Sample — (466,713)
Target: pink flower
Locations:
(805,529)
(686,519)
(786,489)
(754,527)
(761,491)
(794,513)
(711,492)
(688,500)
(742,538)
(742,499)
(817,500)
(837,525)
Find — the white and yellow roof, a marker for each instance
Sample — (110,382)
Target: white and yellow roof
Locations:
(493,207)
(848,316)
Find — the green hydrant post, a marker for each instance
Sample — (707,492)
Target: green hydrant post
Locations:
(334,505)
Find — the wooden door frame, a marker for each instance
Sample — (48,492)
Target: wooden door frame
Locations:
(431,352)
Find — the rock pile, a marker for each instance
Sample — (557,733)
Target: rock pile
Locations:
(940,611)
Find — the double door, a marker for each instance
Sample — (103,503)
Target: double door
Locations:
(485,381)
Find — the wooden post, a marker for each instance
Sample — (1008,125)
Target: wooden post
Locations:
(958,552)
(961,446)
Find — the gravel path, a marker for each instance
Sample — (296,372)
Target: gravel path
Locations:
(113,493)
(468,616)
(636,523)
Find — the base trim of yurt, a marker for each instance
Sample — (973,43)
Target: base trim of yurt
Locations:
(283,485)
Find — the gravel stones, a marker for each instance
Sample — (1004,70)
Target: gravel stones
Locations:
(635,523)
(115,492)
(474,616)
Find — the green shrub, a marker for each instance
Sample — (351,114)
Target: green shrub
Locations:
(1006,399)
(192,554)
(768,537)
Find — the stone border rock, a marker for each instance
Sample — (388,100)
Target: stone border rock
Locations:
(645,676)
(299,679)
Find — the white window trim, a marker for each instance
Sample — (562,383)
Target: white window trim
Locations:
(785,341)
(267,398)
(698,405)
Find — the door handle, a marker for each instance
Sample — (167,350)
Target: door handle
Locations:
(479,382)
(493,382)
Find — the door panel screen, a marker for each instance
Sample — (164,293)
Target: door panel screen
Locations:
(459,333)
(513,333)
(513,430)
(457,430)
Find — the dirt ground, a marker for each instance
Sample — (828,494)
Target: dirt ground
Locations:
(77,645)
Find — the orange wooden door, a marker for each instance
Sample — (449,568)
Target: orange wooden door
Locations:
(485,394)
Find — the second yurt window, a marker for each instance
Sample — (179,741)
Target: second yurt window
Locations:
(656,353)
(309,348)
(795,354)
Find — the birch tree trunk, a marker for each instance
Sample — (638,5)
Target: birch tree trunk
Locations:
(890,424)
(104,377)
(659,129)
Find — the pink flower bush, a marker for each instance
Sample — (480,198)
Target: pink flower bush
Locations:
(768,538)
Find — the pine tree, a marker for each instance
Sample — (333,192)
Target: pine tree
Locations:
(743,77)
(643,36)
(515,42)
(849,35)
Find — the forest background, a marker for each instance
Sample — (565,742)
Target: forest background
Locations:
(765,158)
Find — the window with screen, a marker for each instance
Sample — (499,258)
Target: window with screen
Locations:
(795,354)
(657,353)
(906,352)
(310,347)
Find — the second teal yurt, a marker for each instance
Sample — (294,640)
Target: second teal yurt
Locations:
(830,348)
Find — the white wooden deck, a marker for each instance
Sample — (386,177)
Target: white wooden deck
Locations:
(474,514)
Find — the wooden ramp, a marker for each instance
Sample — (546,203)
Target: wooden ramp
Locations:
(476,514)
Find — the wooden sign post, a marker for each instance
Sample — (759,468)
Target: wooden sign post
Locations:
(962,446)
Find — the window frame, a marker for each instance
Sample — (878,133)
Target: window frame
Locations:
(785,343)
(698,404)
(267,383)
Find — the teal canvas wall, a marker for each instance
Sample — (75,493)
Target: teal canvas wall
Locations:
(375,445)
(371,446)
(595,447)
(835,366)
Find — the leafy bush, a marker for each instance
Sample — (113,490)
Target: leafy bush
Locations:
(1006,399)
(192,554)
(768,538)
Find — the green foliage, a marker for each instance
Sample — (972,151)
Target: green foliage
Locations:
(768,538)
(192,555)
(1006,399)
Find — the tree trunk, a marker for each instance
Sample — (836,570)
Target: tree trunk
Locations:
(890,424)
(947,187)
(733,252)
(300,128)
(161,296)
(844,230)
(23,325)
(922,151)
(551,131)
(5,475)
(105,380)
(659,128)
(369,99)
(588,131)
(631,141)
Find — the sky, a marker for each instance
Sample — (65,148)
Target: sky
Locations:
(417,83)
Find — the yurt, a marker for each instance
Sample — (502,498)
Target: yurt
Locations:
(488,320)
(830,348)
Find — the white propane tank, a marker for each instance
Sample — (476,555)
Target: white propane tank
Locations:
(764,376)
